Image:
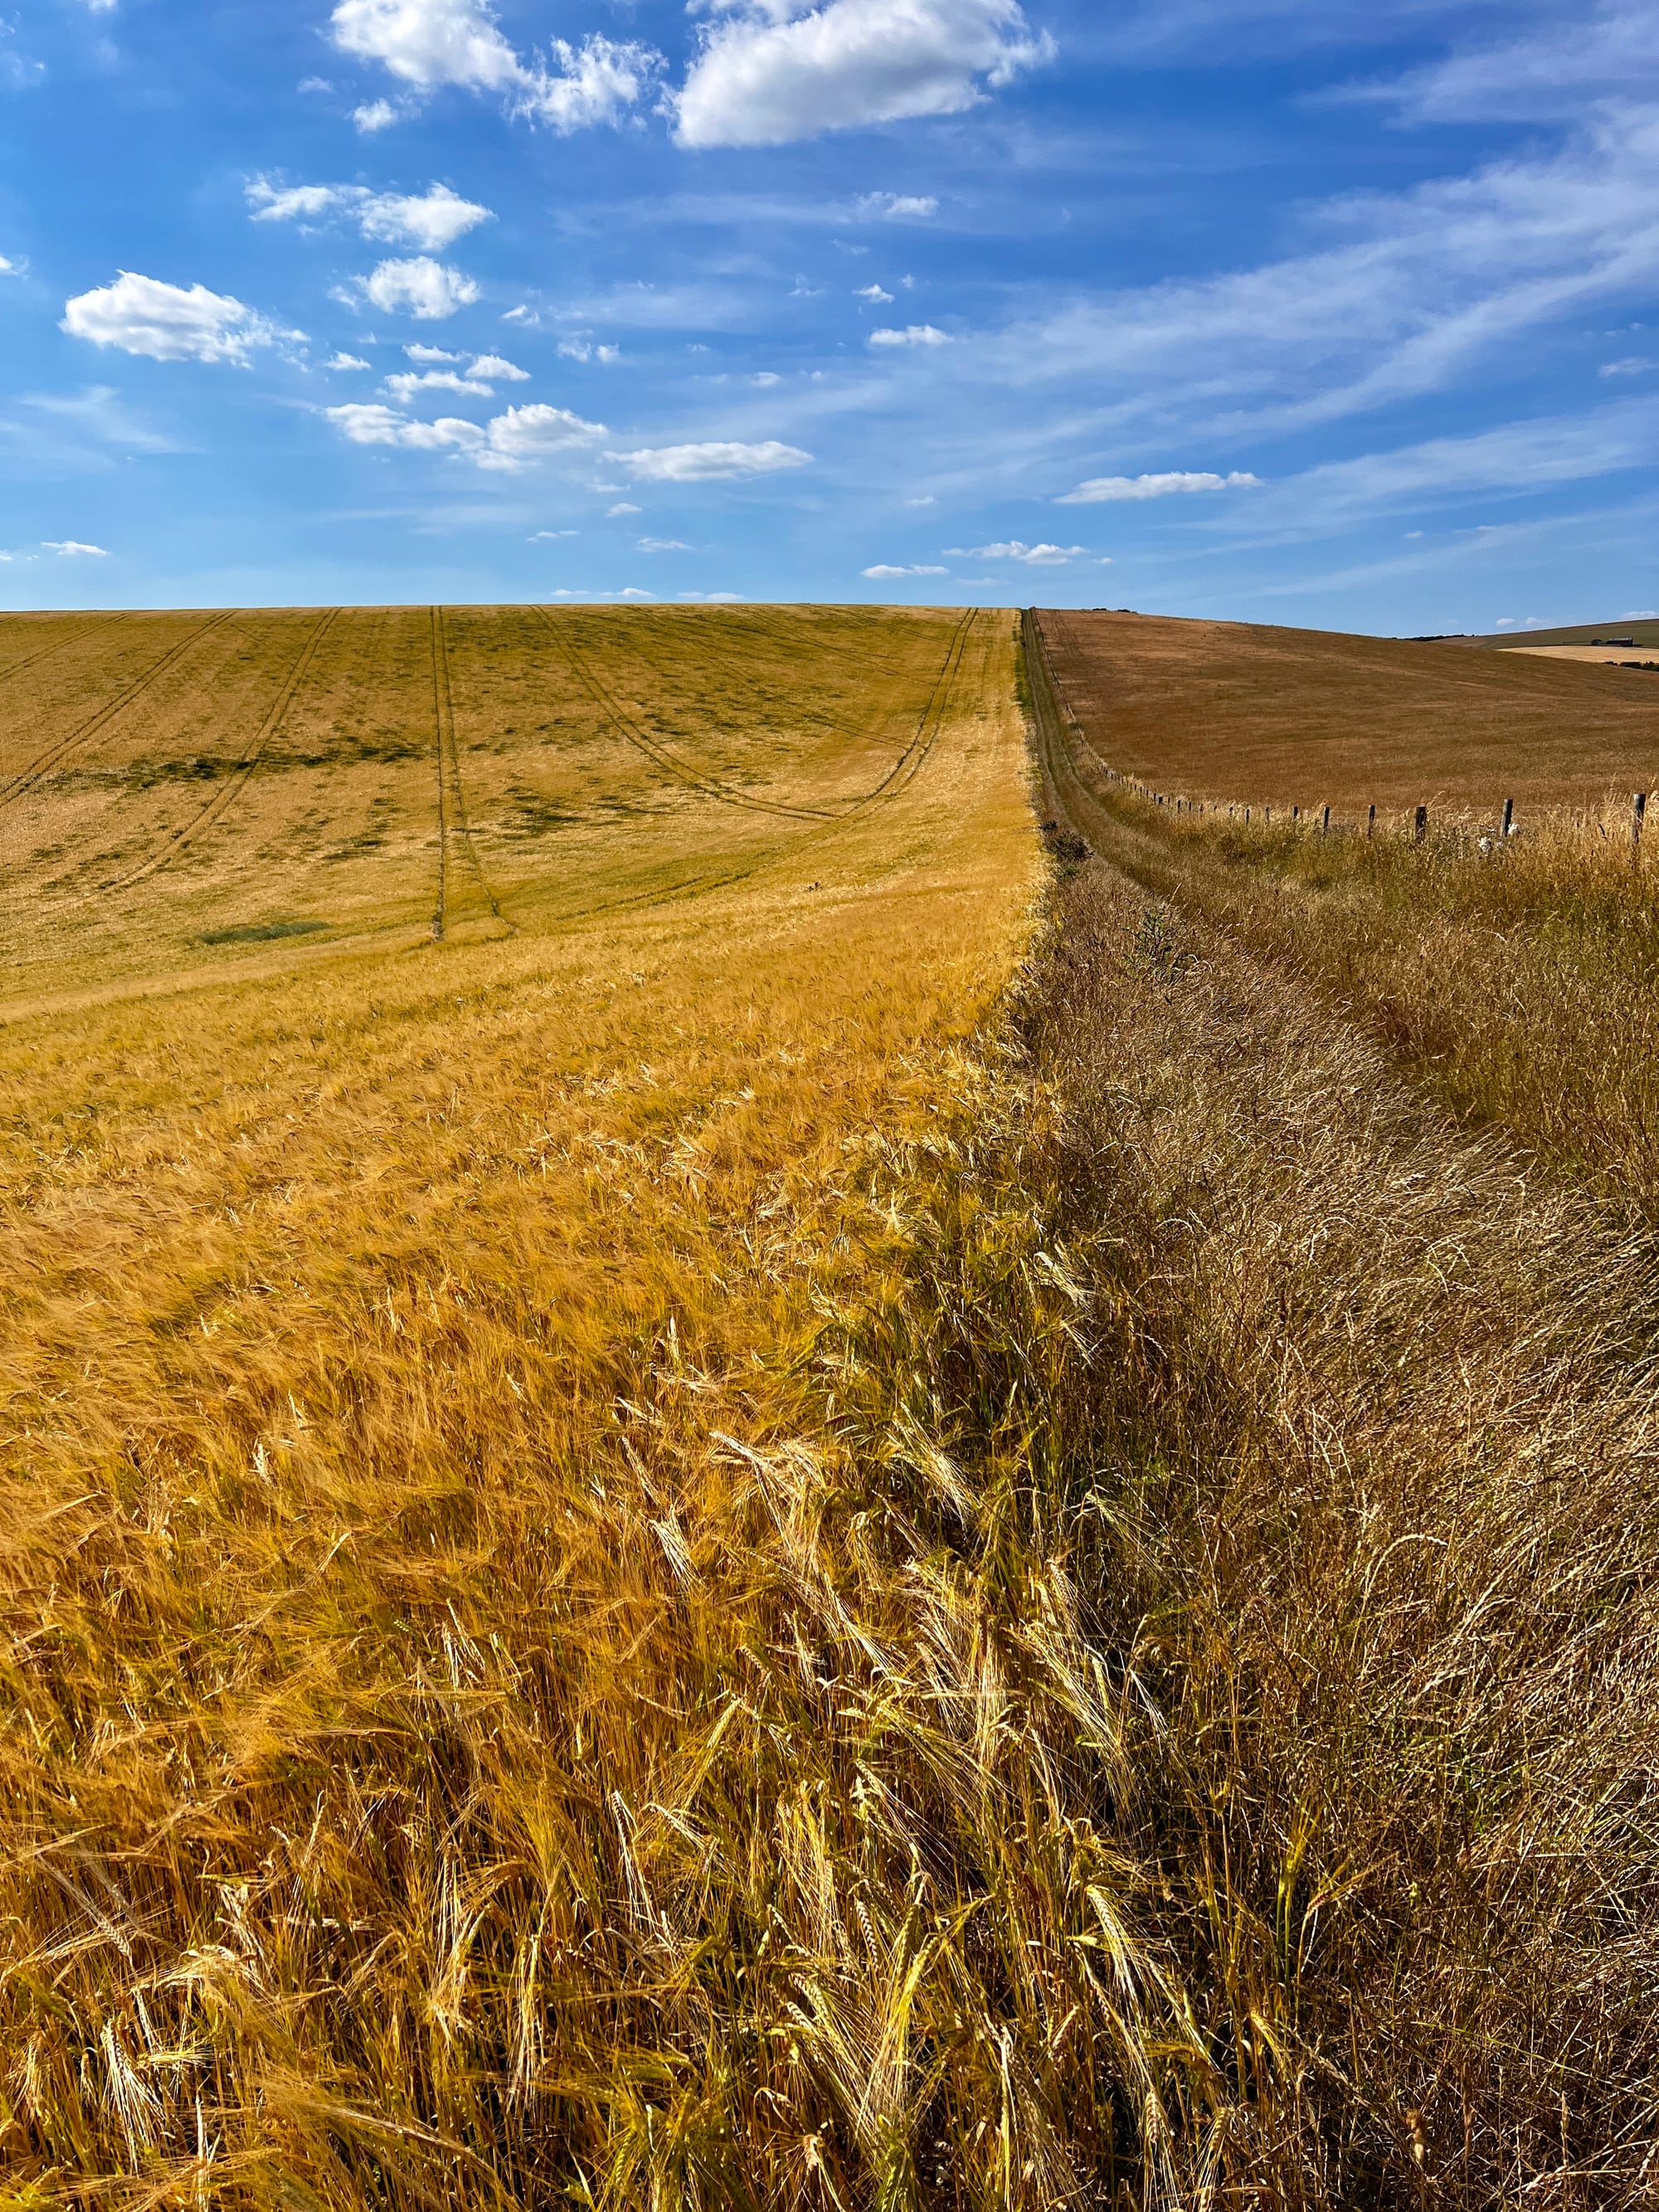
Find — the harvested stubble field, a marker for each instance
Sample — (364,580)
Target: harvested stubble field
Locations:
(1239,712)
(771,1527)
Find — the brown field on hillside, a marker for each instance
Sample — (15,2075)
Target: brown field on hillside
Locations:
(1237,713)
(1643,629)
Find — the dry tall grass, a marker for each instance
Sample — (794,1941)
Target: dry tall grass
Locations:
(1370,1543)
(1369,1557)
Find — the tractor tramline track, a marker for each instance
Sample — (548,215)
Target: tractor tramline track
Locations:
(452,824)
(19,785)
(211,815)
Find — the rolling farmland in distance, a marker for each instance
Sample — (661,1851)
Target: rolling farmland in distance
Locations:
(1236,711)
(728,1485)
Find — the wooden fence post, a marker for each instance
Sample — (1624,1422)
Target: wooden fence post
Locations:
(1508,816)
(1325,823)
(1638,810)
(1419,825)
(1370,823)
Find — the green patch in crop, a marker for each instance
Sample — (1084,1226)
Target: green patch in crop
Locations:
(259,932)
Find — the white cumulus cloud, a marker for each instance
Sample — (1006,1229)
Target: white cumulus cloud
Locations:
(875,295)
(346,361)
(701,463)
(429,43)
(497,371)
(369,422)
(375,115)
(165,322)
(1034,556)
(883,569)
(524,434)
(72,549)
(778,71)
(514,439)
(916,334)
(409,383)
(431,220)
(598,81)
(1101,489)
(897,207)
(425,288)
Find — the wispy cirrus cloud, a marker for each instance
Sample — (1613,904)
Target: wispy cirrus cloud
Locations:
(1518,459)
(1541,71)
(1399,295)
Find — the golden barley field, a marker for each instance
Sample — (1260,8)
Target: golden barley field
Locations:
(468,1080)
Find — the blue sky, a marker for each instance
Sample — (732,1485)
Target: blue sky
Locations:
(1294,313)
